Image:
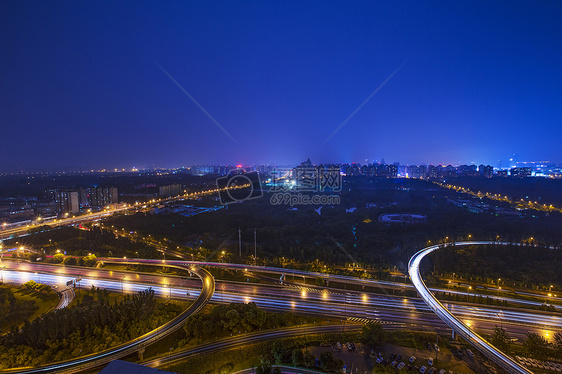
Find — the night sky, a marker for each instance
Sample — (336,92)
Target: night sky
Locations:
(97,84)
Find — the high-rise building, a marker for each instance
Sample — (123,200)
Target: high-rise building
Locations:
(101,196)
(65,201)
(521,172)
(170,190)
(487,171)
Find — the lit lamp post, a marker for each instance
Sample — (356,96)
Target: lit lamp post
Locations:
(467,292)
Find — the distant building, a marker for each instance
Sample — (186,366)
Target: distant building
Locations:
(65,201)
(521,172)
(502,173)
(498,211)
(486,171)
(434,171)
(402,219)
(474,206)
(100,196)
(170,190)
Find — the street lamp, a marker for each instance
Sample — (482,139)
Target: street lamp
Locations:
(467,293)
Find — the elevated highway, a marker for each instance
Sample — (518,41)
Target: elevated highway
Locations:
(505,361)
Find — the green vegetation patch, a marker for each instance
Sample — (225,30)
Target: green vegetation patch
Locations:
(24,303)
(92,325)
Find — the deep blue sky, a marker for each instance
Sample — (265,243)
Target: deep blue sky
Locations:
(80,82)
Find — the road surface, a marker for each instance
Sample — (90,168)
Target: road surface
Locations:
(66,297)
(312,301)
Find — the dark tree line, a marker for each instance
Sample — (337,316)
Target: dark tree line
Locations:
(527,266)
(234,318)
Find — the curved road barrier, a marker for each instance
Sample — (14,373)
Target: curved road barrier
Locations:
(504,361)
(104,357)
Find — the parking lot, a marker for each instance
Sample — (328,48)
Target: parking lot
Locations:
(357,361)
(435,362)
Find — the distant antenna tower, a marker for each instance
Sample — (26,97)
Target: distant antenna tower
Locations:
(240,241)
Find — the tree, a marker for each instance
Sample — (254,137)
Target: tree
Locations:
(263,369)
(70,261)
(558,344)
(329,363)
(90,260)
(297,357)
(536,345)
(374,334)
(309,360)
(501,339)
(278,351)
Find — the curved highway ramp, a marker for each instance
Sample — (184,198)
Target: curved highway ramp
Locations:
(104,357)
(505,361)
